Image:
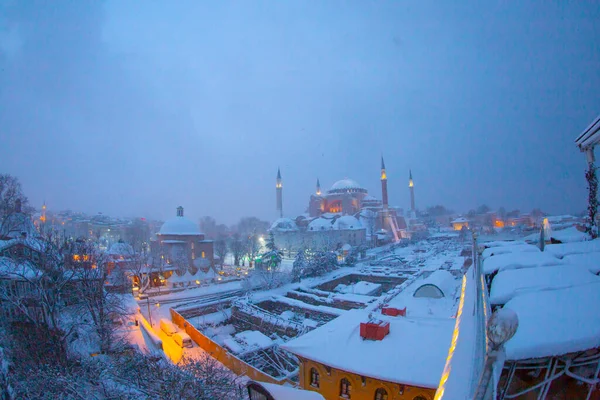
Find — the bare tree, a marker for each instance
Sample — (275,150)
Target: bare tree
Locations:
(38,292)
(138,234)
(139,268)
(94,303)
(10,192)
(221,249)
(236,247)
(252,246)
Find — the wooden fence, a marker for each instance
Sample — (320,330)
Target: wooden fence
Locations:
(230,361)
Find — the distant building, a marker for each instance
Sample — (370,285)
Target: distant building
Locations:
(460,223)
(345,214)
(180,245)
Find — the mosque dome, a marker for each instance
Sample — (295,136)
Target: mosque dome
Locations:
(121,249)
(320,224)
(179,225)
(347,222)
(284,224)
(344,184)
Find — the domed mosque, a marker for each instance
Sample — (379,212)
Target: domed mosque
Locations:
(179,239)
(345,214)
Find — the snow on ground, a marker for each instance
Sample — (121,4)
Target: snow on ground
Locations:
(357,298)
(565,249)
(519,260)
(519,248)
(361,287)
(200,291)
(555,322)
(413,353)
(212,318)
(509,284)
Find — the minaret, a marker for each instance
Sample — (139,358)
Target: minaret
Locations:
(411,187)
(279,198)
(384,192)
(43,217)
(318,187)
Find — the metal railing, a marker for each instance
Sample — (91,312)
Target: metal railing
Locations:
(464,375)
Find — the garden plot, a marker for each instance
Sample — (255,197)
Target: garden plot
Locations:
(385,284)
(317,297)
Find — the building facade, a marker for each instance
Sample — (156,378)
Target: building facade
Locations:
(180,245)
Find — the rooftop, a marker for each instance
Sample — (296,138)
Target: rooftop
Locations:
(413,353)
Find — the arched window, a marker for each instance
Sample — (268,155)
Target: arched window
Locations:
(314,378)
(345,388)
(381,394)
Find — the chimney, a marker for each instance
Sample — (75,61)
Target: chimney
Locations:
(18,205)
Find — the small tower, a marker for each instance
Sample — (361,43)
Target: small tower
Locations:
(43,216)
(384,191)
(278,189)
(411,187)
(180,211)
(318,187)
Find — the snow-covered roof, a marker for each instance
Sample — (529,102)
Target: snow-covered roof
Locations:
(569,235)
(281,392)
(21,269)
(121,249)
(179,226)
(590,136)
(459,220)
(14,225)
(509,284)
(444,307)
(320,224)
(518,248)
(590,261)
(413,353)
(441,279)
(555,322)
(519,260)
(369,198)
(347,222)
(564,249)
(32,243)
(345,183)
(186,277)
(502,243)
(284,224)
(560,218)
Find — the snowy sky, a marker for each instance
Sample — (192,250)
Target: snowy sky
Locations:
(134,107)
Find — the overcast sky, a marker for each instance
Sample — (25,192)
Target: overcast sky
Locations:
(132,108)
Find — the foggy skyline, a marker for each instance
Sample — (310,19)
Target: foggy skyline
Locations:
(133,108)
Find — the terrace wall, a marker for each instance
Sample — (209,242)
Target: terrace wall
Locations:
(230,361)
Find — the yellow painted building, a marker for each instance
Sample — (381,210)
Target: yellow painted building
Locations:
(334,383)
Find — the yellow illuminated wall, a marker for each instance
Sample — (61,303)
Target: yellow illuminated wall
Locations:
(362,388)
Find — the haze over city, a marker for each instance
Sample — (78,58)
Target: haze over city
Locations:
(133,108)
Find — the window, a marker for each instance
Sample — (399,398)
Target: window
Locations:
(203,255)
(419,398)
(381,394)
(345,388)
(314,378)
